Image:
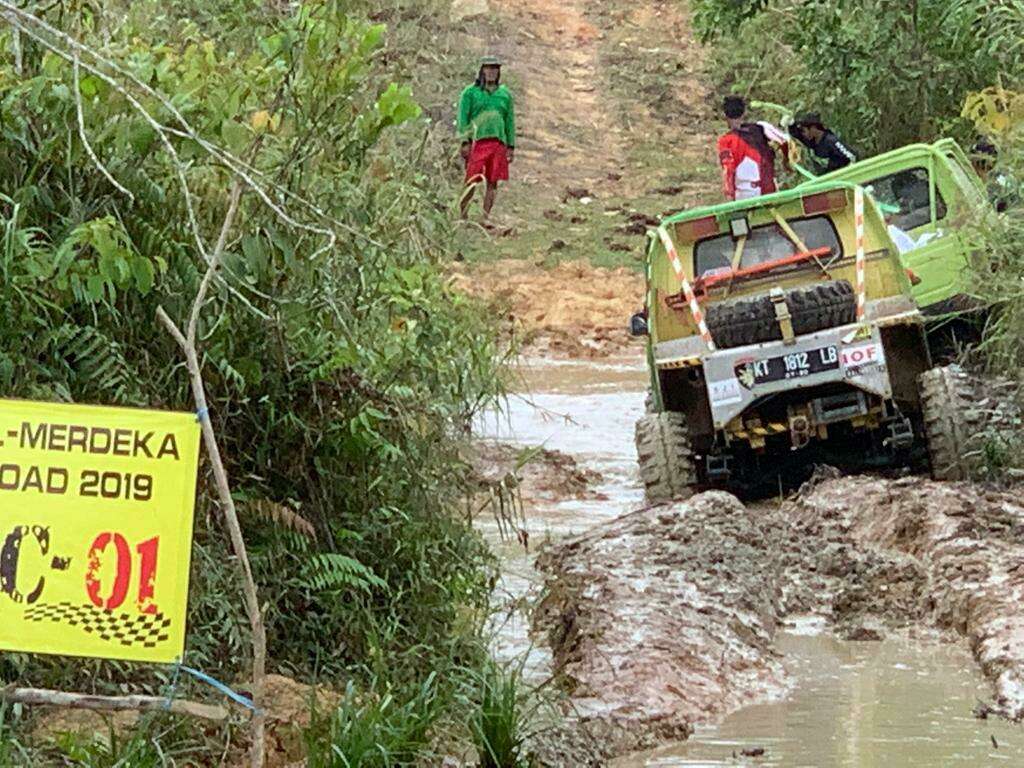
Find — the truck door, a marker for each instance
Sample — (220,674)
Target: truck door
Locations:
(917,201)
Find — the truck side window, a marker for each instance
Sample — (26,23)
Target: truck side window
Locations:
(765,243)
(908,191)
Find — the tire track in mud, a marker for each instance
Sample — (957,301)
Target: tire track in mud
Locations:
(667,617)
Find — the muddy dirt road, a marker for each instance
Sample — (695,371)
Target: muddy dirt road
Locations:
(856,624)
(862,617)
(616,129)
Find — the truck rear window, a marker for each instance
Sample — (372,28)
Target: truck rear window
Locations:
(765,243)
(908,190)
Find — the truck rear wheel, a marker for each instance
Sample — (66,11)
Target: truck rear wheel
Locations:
(665,456)
(951,422)
(751,320)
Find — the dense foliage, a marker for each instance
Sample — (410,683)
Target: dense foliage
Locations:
(342,372)
(884,74)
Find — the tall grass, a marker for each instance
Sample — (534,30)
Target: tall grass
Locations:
(375,728)
(997,274)
(499,717)
(12,752)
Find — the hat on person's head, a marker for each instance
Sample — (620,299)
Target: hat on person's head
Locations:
(808,119)
(490,61)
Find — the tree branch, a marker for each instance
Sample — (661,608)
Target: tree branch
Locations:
(187,342)
(85,139)
(215,259)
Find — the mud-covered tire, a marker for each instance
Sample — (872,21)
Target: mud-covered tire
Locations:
(751,319)
(665,457)
(952,422)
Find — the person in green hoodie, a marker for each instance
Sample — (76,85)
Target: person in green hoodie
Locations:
(487,127)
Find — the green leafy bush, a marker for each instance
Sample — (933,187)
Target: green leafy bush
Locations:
(883,74)
(376,728)
(341,369)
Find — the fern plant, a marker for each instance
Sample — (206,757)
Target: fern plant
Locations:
(330,571)
(98,365)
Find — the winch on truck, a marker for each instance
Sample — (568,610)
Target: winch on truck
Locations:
(782,330)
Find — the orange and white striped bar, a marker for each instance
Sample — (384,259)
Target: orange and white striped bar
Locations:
(858,213)
(691,297)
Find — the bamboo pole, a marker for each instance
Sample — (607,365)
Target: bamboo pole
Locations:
(43,696)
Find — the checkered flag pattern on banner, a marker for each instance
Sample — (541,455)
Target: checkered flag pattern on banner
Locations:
(143,629)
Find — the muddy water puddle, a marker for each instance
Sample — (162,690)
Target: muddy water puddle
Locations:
(586,410)
(898,702)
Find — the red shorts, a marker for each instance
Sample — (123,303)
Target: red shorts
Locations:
(488,159)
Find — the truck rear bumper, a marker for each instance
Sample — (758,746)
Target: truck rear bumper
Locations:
(691,350)
(851,354)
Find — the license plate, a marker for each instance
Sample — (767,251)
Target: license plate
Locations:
(795,365)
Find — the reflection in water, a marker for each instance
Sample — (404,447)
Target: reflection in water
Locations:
(894,703)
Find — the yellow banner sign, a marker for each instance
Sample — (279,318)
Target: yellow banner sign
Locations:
(96,512)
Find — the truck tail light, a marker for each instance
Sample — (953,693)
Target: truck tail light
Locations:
(824,202)
(691,231)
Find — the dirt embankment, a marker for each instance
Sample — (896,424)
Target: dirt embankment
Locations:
(573,310)
(288,714)
(664,618)
(540,474)
(667,617)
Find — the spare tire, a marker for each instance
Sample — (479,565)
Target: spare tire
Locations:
(825,305)
(751,319)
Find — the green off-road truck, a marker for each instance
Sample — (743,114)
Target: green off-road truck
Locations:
(766,351)
(928,192)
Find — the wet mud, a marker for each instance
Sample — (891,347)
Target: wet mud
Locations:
(671,617)
(664,617)
(965,541)
(573,310)
(539,475)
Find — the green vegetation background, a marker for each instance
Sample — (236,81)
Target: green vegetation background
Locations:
(343,379)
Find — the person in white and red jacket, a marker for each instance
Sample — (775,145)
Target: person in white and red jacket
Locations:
(747,153)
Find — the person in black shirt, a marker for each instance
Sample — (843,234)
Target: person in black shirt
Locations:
(826,146)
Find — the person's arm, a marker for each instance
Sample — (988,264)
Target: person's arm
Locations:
(729,161)
(779,139)
(510,127)
(839,155)
(465,125)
